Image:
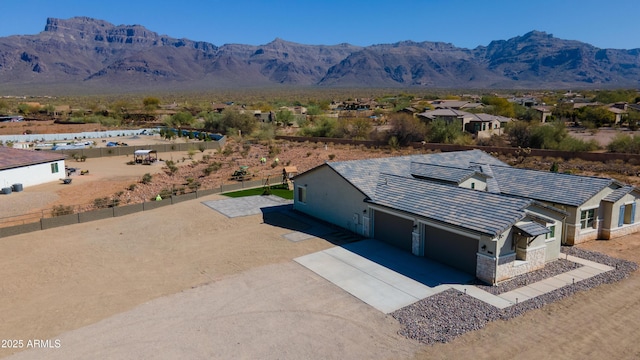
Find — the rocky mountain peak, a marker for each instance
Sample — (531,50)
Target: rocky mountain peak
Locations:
(91,52)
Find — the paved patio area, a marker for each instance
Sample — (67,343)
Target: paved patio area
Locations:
(245,206)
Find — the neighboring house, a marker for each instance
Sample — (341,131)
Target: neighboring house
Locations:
(617,113)
(544,112)
(524,101)
(467,209)
(481,125)
(456,104)
(485,125)
(29,168)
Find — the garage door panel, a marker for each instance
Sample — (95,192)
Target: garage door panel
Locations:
(393,230)
(452,249)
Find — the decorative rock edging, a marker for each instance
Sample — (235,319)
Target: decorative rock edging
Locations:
(451,313)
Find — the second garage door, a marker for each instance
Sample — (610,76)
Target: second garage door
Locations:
(392,229)
(452,249)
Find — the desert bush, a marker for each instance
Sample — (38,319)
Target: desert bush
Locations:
(324,127)
(60,210)
(439,131)
(406,129)
(101,203)
(623,143)
(146,178)
(132,187)
(171,166)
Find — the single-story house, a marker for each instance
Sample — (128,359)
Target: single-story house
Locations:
(29,167)
(467,209)
(481,125)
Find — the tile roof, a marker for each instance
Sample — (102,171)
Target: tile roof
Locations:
(478,211)
(13,158)
(531,228)
(442,173)
(363,174)
(552,187)
(618,193)
(445,112)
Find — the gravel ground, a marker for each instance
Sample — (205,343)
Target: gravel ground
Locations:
(443,317)
(552,269)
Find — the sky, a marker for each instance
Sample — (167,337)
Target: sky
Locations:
(464,23)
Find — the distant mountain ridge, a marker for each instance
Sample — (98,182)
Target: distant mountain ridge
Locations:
(90,53)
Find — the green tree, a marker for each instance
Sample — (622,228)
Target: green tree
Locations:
(150,103)
(612,96)
(623,143)
(597,115)
(499,106)
(233,119)
(323,127)
(180,120)
(519,134)
(440,131)
(284,117)
(405,128)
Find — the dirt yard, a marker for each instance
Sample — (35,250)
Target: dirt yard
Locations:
(184,281)
(197,283)
(112,178)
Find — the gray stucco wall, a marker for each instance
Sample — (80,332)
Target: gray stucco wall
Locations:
(330,198)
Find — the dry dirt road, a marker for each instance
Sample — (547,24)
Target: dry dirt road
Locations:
(184,281)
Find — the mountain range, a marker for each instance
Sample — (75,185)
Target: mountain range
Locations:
(86,53)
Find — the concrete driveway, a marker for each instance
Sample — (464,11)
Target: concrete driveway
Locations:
(381,275)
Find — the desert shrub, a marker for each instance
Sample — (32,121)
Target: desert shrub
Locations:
(332,156)
(171,166)
(201,147)
(623,143)
(60,210)
(273,150)
(406,129)
(266,132)
(227,151)
(394,143)
(101,203)
(146,178)
(132,187)
(440,131)
(324,127)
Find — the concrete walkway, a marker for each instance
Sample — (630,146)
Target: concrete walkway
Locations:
(364,269)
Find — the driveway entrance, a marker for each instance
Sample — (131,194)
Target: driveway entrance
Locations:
(382,275)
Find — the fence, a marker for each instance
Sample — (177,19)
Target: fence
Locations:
(52,218)
(129,150)
(566,155)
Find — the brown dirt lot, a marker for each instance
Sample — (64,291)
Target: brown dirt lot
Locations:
(69,278)
(86,284)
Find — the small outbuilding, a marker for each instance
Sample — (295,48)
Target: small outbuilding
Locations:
(145,157)
(29,167)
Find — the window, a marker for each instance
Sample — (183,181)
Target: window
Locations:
(302,194)
(54,168)
(627,214)
(551,234)
(473,185)
(587,218)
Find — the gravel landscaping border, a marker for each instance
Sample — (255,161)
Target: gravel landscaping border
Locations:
(442,317)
